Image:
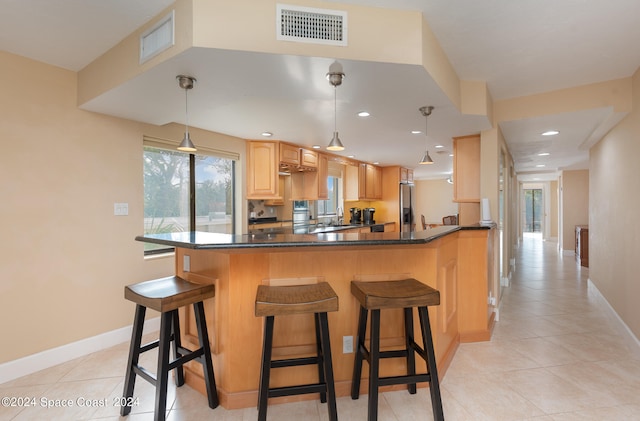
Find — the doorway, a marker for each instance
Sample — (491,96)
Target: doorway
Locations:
(533,210)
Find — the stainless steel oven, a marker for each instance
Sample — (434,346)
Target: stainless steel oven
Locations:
(300,212)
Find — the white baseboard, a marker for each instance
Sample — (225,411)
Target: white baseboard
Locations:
(30,364)
(593,289)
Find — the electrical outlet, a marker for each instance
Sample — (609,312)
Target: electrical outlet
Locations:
(347,344)
(186,263)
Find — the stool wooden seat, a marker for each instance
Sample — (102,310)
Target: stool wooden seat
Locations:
(273,301)
(405,294)
(166,295)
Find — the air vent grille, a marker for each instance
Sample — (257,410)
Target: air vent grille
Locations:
(303,24)
(158,38)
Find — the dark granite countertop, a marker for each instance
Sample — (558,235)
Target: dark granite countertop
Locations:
(207,240)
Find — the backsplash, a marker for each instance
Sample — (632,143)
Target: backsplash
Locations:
(260,210)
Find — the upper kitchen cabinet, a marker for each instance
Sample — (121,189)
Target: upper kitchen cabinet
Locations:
(294,158)
(262,170)
(289,155)
(307,184)
(466,169)
(406,175)
(363,182)
(323,175)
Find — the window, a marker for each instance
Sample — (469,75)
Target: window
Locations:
(329,206)
(186,192)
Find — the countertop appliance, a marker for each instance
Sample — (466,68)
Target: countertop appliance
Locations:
(367,216)
(356,215)
(407,201)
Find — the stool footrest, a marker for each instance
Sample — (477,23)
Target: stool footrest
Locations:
(408,379)
(297,390)
(151,345)
(145,374)
(185,358)
(292,362)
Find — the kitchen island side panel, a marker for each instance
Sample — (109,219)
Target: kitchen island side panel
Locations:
(441,263)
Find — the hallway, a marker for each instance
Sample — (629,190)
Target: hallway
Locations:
(557,353)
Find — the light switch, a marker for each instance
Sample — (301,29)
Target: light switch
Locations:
(121,209)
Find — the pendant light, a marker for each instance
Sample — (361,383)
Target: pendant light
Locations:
(426,112)
(335,77)
(186,83)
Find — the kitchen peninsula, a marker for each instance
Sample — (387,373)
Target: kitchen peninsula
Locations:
(454,260)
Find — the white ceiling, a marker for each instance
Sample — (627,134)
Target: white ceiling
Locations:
(518,47)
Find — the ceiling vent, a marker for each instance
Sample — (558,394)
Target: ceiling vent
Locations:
(305,24)
(158,38)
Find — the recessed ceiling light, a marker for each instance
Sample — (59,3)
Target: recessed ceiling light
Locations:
(543,154)
(451,154)
(267,134)
(540,165)
(439,146)
(363,114)
(351,156)
(316,146)
(376,163)
(415,132)
(550,133)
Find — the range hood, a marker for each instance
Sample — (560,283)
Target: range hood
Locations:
(295,168)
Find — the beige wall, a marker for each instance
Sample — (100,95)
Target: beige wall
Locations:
(434,199)
(66,257)
(575,205)
(613,215)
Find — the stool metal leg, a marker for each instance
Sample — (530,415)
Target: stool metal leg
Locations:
(205,359)
(175,336)
(357,366)
(162,375)
(409,341)
(327,365)
(263,392)
(132,361)
(434,384)
(374,365)
(320,354)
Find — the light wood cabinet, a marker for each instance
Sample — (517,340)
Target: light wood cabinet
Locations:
(363,182)
(466,178)
(308,158)
(466,169)
(262,170)
(406,175)
(304,185)
(294,157)
(323,175)
(289,154)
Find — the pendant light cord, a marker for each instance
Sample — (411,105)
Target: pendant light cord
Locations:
(335,111)
(426,139)
(186,110)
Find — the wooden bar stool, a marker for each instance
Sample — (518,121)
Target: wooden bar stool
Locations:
(166,295)
(273,301)
(405,294)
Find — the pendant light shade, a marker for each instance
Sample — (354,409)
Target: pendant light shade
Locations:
(335,77)
(335,144)
(187,145)
(426,112)
(426,159)
(186,83)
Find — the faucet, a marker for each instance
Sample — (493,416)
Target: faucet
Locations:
(339,216)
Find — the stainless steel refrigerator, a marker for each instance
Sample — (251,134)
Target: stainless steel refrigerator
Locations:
(407,202)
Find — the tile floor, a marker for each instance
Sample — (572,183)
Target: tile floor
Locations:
(557,353)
